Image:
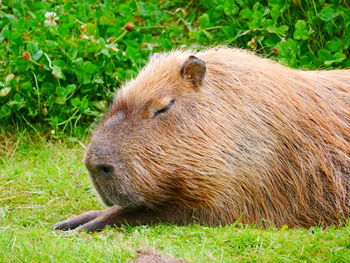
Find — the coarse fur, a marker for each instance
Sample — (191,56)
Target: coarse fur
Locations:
(255,141)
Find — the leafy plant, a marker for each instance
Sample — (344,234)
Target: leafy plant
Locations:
(62,61)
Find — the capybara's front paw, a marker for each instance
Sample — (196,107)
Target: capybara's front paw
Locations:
(77,221)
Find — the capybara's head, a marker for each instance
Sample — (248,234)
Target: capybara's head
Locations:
(165,135)
(224,130)
(145,150)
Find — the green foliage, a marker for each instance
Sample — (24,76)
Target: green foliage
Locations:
(65,75)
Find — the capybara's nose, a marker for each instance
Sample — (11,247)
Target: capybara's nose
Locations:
(104,170)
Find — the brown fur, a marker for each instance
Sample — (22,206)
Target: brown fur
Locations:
(256,142)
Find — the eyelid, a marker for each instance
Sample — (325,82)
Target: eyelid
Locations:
(164,109)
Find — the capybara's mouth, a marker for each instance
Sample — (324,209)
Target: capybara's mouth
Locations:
(112,194)
(103,196)
(100,190)
(124,200)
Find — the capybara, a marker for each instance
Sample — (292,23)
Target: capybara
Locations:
(222,136)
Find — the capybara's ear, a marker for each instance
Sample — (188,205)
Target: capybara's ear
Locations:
(193,70)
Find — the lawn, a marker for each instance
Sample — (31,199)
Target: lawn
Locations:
(42,182)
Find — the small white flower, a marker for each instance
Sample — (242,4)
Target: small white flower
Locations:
(51,18)
(9,76)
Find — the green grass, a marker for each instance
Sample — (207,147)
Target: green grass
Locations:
(45,182)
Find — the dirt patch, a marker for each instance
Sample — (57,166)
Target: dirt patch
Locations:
(148,256)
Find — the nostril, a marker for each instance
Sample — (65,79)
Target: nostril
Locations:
(105,170)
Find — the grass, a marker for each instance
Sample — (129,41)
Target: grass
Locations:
(45,182)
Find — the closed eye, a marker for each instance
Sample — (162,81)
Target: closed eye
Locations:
(164,109)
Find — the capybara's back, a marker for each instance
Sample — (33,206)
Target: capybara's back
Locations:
(269,144)
(220,136)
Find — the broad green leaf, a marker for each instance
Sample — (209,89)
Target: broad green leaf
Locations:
(75,102)
(275,13)
(5,111)
(245,13)
(60,100)
(105,52)
(204,21)
(71,88)
(277,3)
(337,58)
(98,81)
(32,47)
(57,72)
(324,54)
(268,23)
(230,8)
(60,91)
(278,30)
(37,55)
(84,103)
(165,43)
(347,63)
(327,13)
(17,97)
(288,51)
(101,105)
(59,62)
(301,32)
(90,67)
(5,91)
(191,16)
(255,23)
(335,44)
(131,52)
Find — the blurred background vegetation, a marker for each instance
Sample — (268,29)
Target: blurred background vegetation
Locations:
(59,71)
